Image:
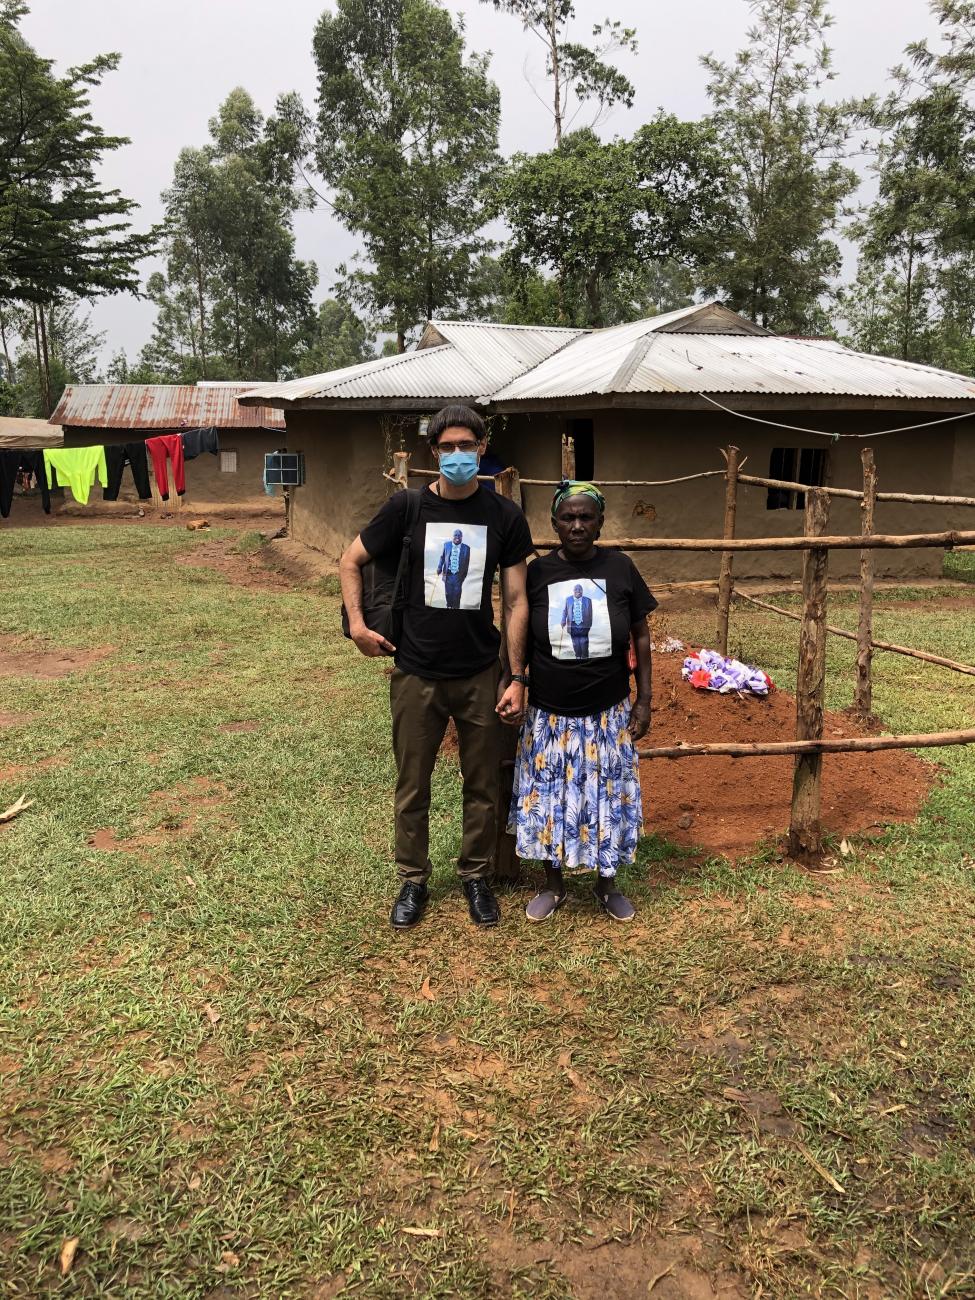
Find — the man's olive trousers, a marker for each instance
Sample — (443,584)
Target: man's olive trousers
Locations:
(421,709)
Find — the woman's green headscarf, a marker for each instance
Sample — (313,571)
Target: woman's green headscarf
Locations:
(577,488)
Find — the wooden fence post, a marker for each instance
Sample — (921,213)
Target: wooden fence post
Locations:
(726,580)
(805,830)
(863,695)
(401,470)
(568,457)
(507,866)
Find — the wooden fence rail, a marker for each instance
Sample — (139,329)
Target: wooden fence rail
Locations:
(845,745)
(853,636)
(853,542)
(910,498)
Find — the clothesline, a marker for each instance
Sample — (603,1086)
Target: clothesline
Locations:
(78,469)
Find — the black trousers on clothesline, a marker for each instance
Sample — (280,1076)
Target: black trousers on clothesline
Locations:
(116,459)
(11,463)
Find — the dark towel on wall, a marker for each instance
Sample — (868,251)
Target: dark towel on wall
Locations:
(197,441)
(134,455)
(11,464)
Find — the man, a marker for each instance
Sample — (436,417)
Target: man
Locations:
(454,563)
(447,659)
(577,617)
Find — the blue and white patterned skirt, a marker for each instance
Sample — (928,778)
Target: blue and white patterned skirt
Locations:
(576,797)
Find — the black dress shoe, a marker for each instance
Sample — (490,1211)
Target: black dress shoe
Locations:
(482,903)
(409,906)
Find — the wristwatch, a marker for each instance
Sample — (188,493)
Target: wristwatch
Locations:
(520,678)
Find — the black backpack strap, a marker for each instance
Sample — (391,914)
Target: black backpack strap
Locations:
(400,592)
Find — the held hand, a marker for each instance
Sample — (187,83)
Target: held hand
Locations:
(639,720)
(511,705)
(372,644)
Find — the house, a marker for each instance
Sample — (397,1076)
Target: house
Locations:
(654,399)
(90,414)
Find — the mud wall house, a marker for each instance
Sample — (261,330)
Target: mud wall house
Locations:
(90,414)
(639,400)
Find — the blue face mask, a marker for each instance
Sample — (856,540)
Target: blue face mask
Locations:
(459,467)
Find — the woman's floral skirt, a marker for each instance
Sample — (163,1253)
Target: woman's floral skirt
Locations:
(576,798)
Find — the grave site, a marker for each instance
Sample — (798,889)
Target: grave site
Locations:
(222,1074)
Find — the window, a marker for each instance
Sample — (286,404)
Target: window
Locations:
(795,465)
(580,431)
(228,461)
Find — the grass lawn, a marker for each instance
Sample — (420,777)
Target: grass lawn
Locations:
(224,1075)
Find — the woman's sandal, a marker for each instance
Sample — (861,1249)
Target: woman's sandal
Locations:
(544,905)
(616,905)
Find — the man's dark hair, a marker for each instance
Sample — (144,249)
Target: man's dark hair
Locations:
(455,417)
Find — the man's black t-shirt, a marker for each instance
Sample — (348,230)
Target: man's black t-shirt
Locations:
(581,615)
(448,623)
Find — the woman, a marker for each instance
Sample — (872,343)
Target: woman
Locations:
(576,800)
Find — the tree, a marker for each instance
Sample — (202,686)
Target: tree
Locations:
(788,181)
(341,339)
(914,295)
(406,137)
(235,302)
(572,68)
(597,215)
(62,234)
(36,381)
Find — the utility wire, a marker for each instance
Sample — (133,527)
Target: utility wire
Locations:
(822,433)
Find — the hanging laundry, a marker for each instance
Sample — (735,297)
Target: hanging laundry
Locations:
(13,463)
(132,454)
(167,445)
(77,468)
(706,670)
(197,441)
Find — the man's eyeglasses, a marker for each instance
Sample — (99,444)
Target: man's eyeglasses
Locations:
(444,448)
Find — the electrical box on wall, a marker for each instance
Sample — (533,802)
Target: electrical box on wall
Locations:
(286,468)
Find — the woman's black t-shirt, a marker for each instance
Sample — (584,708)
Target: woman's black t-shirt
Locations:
(448,624)
(581,616)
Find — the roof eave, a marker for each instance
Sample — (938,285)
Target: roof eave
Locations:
(735,401)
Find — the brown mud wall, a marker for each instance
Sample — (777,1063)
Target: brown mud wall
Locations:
(346,453)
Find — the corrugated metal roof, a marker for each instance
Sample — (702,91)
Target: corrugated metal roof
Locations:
(722,363)
(700,349)
(18,434)
(161,406)
(434,372)
(453,359)
(503,352)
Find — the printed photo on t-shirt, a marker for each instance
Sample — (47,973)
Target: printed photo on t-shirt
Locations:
(578,620)
(454,556)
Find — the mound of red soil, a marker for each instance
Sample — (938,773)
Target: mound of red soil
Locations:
(727,805)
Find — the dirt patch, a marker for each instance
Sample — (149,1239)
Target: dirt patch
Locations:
(728,805)
(248,569)
(672,1268)
(19,660)
(16,719)
(176,812)
(302,564)
(129,513)
(24,771)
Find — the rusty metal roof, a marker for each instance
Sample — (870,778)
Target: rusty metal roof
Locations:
(700,349)
(161,406)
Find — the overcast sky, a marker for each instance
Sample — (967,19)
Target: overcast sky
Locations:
(181,57)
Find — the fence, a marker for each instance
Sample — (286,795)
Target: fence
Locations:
(809,745)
